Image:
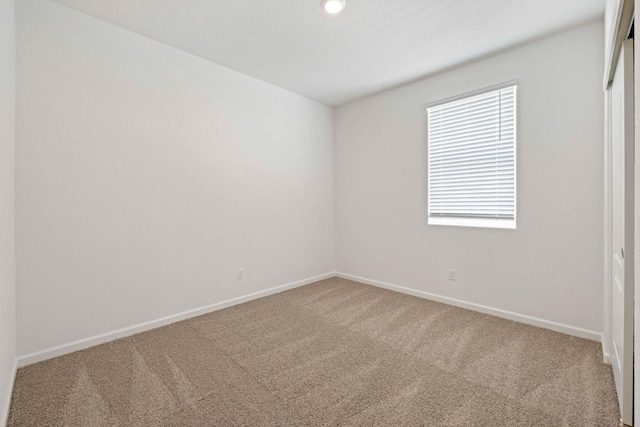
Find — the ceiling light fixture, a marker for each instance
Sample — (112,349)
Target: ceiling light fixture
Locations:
(333,6)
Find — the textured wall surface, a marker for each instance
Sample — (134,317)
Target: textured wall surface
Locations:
(7,163)
(551,266)
(147,176)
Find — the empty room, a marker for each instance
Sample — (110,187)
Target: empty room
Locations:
(319,213)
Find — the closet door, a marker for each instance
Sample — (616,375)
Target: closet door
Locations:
(622,176)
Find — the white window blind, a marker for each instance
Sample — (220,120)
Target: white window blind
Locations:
(472,153)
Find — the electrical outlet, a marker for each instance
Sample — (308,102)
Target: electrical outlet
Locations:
(452,274)
(240,273)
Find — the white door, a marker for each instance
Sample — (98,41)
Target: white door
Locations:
(622,164)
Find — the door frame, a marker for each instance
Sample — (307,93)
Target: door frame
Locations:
(617,21)
(606,321)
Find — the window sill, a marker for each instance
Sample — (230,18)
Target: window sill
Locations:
(507,224)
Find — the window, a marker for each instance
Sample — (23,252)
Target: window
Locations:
(472,160)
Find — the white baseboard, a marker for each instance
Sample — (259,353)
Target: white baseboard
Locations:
(132,330)
(4,417)
(522,318)
(82,344)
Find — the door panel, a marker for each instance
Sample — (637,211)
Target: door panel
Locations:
(622,168)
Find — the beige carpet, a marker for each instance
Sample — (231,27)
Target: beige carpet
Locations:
(331,353)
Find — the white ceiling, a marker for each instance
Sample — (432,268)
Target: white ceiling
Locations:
(373,45)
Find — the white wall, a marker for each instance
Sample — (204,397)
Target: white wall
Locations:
(146,176)
(551,266)
(7,163)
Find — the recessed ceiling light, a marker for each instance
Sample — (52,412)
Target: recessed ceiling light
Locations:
(333,6)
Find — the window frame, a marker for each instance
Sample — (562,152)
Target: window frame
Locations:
(493,223)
